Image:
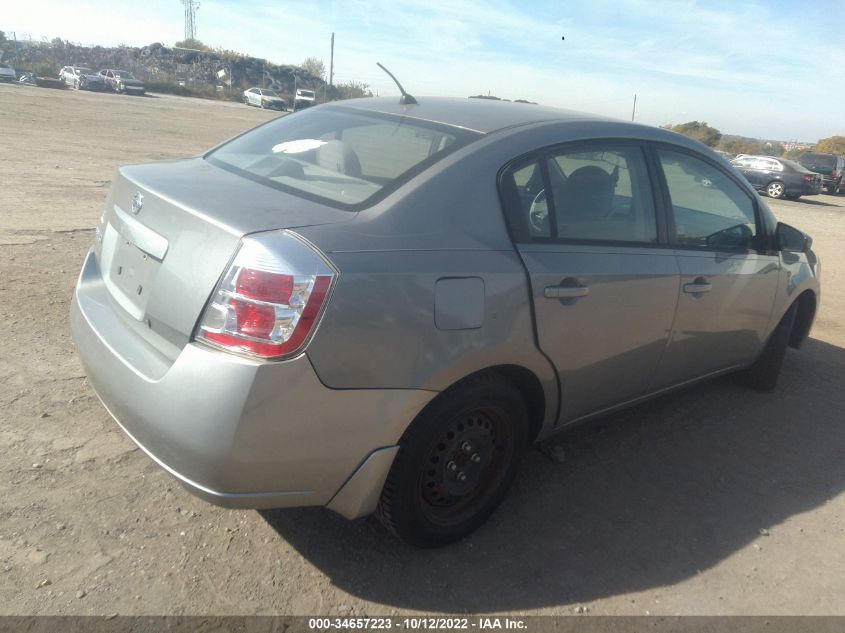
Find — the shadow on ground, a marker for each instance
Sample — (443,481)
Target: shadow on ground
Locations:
(815,203)
(646,498)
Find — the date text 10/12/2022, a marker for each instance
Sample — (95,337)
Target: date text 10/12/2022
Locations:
(419,623)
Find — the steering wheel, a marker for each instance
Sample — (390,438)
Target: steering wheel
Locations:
(538,214)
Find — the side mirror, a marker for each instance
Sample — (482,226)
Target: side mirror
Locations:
(788,238)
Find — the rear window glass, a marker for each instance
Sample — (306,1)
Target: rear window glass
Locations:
(339,156)
(819,160)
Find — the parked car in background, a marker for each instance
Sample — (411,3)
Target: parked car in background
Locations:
(376,306)
(81,78)
(304,99)
(7,73)
(122,81)
(831,168)
(778,177)
(264,98)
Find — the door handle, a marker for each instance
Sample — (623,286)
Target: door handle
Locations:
(699,285)
(565,292)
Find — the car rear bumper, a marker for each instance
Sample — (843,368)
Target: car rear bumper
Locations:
(237,432)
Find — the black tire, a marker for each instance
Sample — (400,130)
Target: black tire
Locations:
(776,189)
(763,374)
(455,463)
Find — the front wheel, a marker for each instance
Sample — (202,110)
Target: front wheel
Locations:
(455,463)
(776,189)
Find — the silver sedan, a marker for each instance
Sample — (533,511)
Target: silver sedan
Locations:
(264,98)
(376,307)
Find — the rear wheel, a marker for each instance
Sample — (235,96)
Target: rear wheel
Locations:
(775,189)
(455,463)
(763,373)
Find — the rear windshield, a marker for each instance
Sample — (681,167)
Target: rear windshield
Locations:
(339,156)
(269,93)
(817,160)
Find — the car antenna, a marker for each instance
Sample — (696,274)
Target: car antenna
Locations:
(406,99)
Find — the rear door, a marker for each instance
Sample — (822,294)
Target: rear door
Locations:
(728,281)
(604,286)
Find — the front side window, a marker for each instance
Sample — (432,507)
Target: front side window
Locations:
(338,155)
(709,209)
(600,194)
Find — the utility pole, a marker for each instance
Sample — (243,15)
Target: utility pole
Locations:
(634,111)
(331,64)
(15,38)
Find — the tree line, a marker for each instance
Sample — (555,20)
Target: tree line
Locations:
(712,137)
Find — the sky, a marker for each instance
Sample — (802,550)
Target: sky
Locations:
(773,69)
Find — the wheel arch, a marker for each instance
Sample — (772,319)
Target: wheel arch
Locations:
(526,382)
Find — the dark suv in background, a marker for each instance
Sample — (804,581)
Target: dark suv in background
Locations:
(831,168)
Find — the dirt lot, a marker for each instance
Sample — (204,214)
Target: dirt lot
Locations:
(717,500)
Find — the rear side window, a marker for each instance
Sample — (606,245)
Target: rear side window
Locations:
(339,156)
(601,194)
(709,209)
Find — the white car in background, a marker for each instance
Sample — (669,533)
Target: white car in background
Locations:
(264,98)
(304,99)
(81,78)
(7,73)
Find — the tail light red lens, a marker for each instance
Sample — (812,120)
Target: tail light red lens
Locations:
(808,177)
(264,286)
(270,300)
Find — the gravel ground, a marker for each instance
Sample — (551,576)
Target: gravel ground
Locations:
(716,500)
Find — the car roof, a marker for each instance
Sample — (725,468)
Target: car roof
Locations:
(480,115)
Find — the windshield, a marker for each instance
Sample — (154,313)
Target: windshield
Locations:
(124,74)
(338,155)
(306,93)
(84,71)
(269,93)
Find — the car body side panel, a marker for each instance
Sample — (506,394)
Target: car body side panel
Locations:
(607,344)
(723,327)
(380,330)
(798,273)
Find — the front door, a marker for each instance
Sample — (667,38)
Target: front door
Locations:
(604,287)
(728,282)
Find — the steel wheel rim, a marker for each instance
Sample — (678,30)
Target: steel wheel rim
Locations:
(775,190)
(464,465)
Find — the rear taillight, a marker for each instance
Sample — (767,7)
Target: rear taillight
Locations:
(270,300)
(808,177)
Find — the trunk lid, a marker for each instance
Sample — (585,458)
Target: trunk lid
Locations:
(170,229)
